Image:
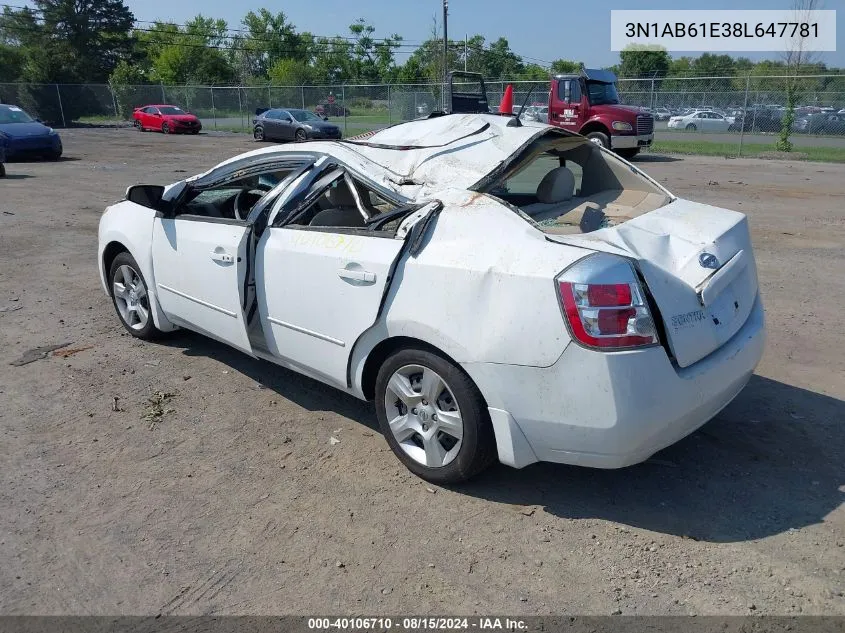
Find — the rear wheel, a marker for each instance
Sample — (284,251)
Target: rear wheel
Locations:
(137,124)
(599,138)
(258,133)
(165,128)
(433,417)
(301,135)
(131,298)
(55,154)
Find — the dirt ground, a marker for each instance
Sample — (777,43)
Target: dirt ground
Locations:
(227,496)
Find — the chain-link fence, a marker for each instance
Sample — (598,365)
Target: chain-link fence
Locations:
(724,110)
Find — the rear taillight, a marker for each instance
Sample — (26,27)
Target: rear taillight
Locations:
(606,316)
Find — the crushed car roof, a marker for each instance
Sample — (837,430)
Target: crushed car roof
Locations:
(454,150)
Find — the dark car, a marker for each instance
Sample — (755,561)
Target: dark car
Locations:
(24,136)
(822,123)
(278,124)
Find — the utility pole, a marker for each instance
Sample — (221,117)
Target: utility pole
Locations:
(466,42)
(445,49)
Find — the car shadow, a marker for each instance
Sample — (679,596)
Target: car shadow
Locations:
(306,392)
(39,159)
(769,462)
(655,158)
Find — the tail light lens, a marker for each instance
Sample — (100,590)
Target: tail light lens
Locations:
(606,316)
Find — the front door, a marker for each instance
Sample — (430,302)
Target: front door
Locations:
(318,291)
(199,268)
(322,275)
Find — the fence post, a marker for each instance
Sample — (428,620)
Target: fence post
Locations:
(744,110)
(61,108)
(163,96)
(302,94)
(213,111)
(240,107)
(651,96)
(389,111)
(269,97)
(343,101)
(114,102)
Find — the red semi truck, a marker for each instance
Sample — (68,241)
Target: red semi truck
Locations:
(588,103)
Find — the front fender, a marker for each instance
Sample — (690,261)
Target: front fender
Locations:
(131,226)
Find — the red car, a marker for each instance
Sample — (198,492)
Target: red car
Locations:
(168,119)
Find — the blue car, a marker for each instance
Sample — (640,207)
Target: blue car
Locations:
(23,136)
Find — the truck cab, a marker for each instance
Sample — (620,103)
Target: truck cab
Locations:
(588,103)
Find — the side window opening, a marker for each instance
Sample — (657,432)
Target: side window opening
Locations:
(231,200)
(339,200)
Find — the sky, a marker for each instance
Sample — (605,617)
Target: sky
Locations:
(575,29)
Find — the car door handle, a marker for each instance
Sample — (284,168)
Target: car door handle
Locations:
(357,275)
(222,256)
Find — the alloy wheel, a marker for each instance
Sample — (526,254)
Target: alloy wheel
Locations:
(423,416)
(130,296)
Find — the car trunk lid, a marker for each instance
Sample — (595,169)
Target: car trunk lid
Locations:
(698,265)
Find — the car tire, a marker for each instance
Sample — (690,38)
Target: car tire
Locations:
(628,152)
(691,127)
(300,136)
(55,154)
(137,125)
(133,310)
(2,170)
(460,458)
(195,132)
(599,138)
(165,128)
(258,134)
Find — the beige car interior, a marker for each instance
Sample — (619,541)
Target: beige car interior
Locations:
(609,191)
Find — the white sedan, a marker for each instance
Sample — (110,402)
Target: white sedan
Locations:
(500,291)
(703,121)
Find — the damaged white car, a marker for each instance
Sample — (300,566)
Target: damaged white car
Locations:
(498,290)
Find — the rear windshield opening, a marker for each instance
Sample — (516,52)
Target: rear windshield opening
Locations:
(566,184)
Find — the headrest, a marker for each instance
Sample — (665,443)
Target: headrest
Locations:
(340,196)
(557,186)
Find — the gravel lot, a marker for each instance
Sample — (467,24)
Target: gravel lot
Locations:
(214,489)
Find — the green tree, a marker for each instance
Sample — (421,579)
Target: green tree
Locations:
(70,41)
(566,66)
(371,60)
(11,61)
(193,54)
(638,61)
(269,39)
(291,72)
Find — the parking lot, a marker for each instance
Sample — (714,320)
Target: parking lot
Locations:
(185,477)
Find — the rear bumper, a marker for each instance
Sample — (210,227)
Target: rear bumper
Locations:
(631,141)
(610,410)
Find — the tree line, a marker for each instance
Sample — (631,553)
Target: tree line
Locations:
(99,41)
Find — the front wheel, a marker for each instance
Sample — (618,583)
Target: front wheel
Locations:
(165,128)
(628,152)
(433,417)
(131,298)
(2,170)
(691,127)
(599,138)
